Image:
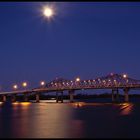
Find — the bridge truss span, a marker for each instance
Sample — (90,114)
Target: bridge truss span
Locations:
(111,81)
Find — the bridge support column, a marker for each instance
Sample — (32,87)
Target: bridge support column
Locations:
(25,97)
(62,97)
(117,95)
(113,99)
(13,98)
(3,98)
(126,96)
(56,97)
(71,93)
(37,98)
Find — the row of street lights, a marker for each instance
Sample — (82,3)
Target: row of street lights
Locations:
(42,83)
(24,84)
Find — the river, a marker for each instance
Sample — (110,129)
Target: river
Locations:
(81,119)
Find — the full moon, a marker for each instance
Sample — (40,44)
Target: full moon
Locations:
(48,12)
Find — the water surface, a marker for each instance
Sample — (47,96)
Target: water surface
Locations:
(69,120)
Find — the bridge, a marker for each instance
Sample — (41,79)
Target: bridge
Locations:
(59,85)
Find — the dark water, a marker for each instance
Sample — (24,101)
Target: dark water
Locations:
(70,120)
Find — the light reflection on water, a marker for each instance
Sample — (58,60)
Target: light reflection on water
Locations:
(126,108)
(67,120)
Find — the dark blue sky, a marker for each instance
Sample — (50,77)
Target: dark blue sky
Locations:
(83,39)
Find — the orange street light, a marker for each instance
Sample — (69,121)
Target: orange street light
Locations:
(24,84)
(124,76)
(77,79)
(15,87)
(42,83)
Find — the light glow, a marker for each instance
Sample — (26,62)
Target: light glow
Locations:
(48,11)
(78,79)
(24,84)
(126,108)
(111,73)
(124,76)
(42,83)
(15,86)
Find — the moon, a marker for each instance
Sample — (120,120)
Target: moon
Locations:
(48,12)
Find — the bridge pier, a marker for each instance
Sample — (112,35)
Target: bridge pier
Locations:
(13,98)
(3,98)
(115,95)
(113,99)
(37,98)
(126,96)
(61,96)
(56,97)
(71,93)
(25,98)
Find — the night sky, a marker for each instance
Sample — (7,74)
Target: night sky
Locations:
(85,39)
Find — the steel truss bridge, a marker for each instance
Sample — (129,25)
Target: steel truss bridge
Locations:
(111,81)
